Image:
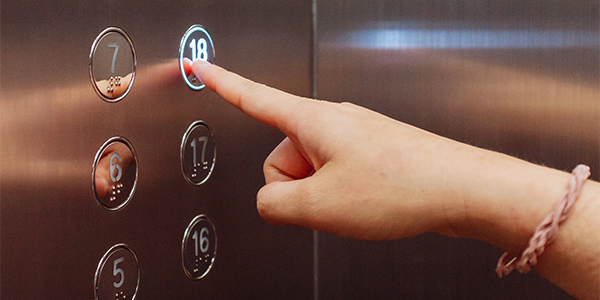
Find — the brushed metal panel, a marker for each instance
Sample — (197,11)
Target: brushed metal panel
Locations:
(512,76)
(53,233)
(530,99)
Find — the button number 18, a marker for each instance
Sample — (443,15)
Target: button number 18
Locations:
(199,50)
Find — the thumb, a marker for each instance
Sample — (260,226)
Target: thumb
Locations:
(285,202)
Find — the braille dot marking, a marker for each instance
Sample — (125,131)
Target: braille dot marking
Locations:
(116,189)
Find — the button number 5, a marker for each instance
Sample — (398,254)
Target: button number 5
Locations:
(117,271)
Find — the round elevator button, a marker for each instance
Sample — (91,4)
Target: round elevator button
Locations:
(199,247)
(114,173)
(118,274)
(198,153)
(112,64)
(195,44)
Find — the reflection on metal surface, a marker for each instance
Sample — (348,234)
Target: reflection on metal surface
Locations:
(477,97)
(72,102)
(408,38)
(115,172)
(112,64)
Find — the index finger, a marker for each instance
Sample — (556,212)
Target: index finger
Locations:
(267,105)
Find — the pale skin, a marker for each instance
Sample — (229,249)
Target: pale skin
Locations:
(356,173)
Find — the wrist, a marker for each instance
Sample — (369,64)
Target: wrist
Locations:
(501,200)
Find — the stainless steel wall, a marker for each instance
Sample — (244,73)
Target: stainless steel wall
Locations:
(521,78)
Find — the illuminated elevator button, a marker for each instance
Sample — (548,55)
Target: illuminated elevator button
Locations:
(199,247)
(195,44)
(114,173)
(198,153)
(112,64)
(118,274)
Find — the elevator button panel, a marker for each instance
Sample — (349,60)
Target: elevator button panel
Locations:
(198,153)
(199,247)
(195,44)
(112,64)
(114,173)
(117,276)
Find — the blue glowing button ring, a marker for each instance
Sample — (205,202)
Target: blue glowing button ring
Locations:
(195,44)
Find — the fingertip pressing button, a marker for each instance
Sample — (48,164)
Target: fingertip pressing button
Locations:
(195,44)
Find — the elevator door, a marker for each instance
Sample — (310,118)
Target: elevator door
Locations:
(519,77)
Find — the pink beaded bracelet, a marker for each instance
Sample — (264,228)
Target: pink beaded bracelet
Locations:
(547,231)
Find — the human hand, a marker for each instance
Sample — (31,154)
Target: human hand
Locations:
(374,177)
(377,178)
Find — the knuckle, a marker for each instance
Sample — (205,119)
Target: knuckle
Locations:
(265,206)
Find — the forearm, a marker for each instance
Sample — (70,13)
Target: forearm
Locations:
(505,199)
